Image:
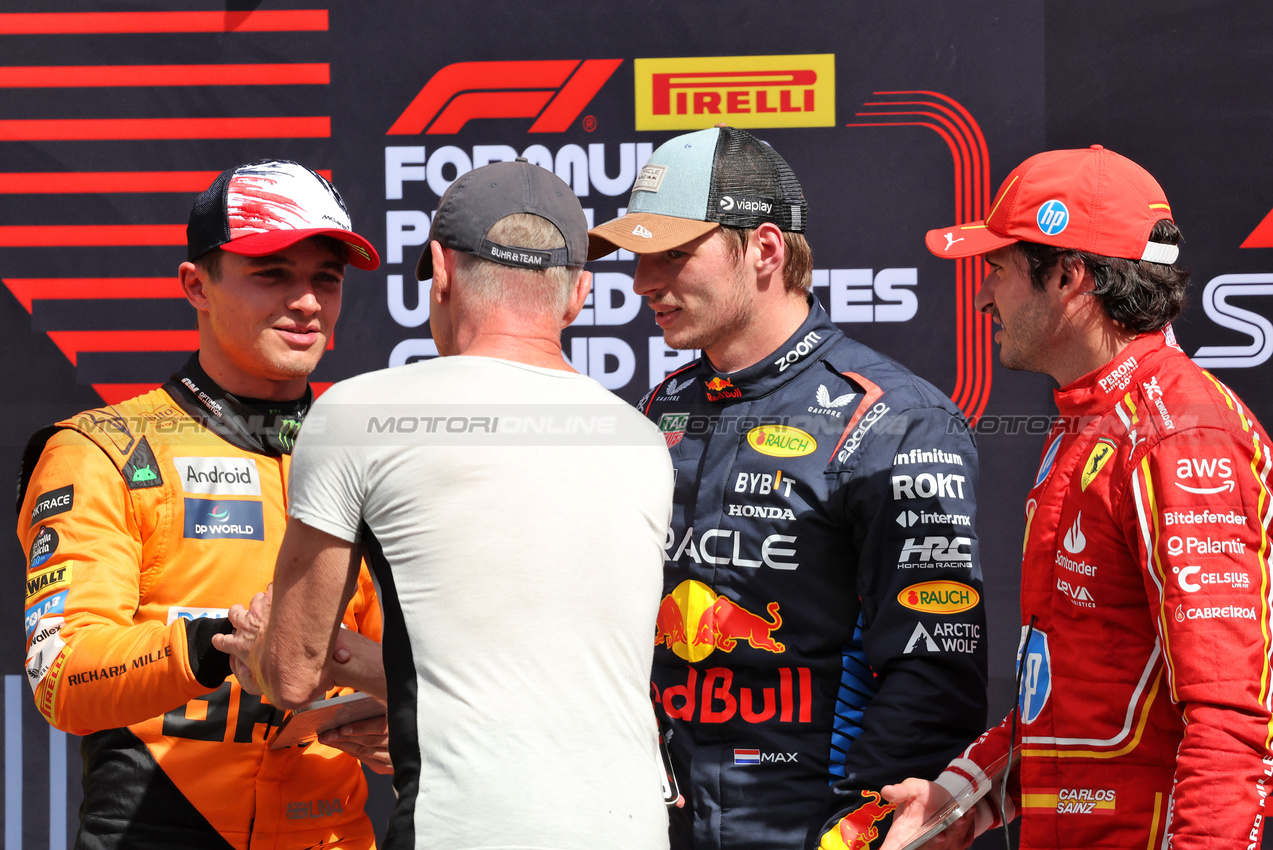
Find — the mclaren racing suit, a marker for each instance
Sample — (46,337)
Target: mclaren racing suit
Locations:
(144,522)
(1144,706)
(821,632)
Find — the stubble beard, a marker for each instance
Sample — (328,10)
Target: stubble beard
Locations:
(732,314)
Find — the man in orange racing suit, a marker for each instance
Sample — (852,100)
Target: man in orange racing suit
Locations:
(1143,713)
(146,520)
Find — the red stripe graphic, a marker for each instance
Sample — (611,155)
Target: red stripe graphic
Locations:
(77,235)
(950,120)
(71,343)
(95,76)
(29,289)
(87,129)
(74,182)
(64,23)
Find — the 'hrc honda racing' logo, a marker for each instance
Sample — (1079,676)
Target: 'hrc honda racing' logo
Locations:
(552,91)
(212,519)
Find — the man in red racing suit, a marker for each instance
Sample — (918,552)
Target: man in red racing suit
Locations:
(1143,715)
(146,520)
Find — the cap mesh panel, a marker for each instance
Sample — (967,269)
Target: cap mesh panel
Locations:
(746,168)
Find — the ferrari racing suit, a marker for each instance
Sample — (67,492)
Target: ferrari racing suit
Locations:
(1144,706)
(144,522)
(822,632)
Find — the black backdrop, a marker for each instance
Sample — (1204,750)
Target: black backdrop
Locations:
(897,117)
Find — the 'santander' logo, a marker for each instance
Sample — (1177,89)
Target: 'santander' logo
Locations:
(552,91)
(745,91)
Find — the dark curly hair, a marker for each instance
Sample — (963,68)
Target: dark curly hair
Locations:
(1139,295)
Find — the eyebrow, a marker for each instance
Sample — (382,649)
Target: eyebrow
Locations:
(280,259)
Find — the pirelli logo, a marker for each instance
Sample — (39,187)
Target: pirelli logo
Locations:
(743,91)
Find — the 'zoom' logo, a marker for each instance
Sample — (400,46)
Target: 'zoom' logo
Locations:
(552,91)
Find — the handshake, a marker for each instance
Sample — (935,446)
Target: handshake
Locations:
(355,663)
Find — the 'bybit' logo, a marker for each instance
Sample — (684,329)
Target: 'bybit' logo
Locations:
(552,91)
(744,91)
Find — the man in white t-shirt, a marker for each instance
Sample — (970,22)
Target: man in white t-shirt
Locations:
(513,512)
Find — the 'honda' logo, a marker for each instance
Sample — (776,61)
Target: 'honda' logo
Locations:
(552,91)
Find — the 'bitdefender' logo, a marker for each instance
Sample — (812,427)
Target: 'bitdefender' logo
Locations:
(743,91)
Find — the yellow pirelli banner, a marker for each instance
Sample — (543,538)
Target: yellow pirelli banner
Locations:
(742,91)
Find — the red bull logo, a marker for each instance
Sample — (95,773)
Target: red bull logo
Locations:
(720,389)
(718,699)
(694,622)
(860,827)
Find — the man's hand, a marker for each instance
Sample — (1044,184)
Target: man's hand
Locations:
(249,624)
(917,800)
(367,740)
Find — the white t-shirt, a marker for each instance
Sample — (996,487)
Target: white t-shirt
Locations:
(515,519)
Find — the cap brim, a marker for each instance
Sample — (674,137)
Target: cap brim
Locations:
(645,233)
(361,254)
(965,240)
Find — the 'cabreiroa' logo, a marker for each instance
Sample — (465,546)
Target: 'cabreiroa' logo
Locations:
(743,91)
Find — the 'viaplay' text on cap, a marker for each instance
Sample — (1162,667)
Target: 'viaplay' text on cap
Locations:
(484,195)
(268,206)
(1088,199)
(695,183)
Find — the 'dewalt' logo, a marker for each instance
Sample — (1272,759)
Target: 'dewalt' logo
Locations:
(939,597)
(41,583)
(781,441)
(742,91)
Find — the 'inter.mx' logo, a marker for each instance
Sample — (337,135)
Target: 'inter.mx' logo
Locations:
(552,91)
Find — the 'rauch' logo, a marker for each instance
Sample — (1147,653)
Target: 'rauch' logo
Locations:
(939,597)
(781,441)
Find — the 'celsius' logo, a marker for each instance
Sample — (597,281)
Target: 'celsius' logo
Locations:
(552,91)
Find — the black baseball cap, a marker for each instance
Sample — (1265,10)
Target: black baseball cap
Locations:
(696,182)
(268,206)
(484,195)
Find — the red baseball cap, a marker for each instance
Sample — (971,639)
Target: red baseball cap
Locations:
(1089,199)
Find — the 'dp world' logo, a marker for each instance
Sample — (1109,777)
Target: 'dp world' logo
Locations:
(743,91)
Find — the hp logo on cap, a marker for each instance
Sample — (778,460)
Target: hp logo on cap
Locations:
(1053,218)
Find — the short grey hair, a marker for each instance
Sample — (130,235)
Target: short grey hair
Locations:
(522,291)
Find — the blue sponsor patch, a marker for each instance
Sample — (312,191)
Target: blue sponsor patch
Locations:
(1053,217)
(54,604)
(216,519)
(1046,466)
(1036,677)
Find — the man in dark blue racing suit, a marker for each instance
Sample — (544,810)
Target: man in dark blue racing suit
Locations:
(821,633)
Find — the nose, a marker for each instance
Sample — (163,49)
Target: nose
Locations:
(643,280)
(304,300)
(985,294)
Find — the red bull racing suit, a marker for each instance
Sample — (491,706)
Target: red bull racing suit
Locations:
(1144,707)
(822,632)
(144,522)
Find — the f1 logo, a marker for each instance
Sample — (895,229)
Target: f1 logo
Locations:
(552,91)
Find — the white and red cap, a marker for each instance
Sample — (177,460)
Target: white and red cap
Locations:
(268,206)
(1088,199)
